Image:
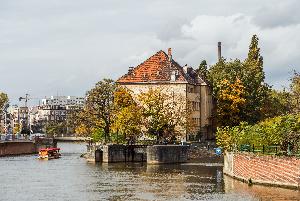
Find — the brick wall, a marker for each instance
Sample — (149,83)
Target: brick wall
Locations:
(272,170)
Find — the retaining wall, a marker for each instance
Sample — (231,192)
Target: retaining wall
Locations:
(263,169)
(159,154)
(25,147)
(17,148)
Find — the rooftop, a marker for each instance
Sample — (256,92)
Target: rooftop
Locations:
(160,67)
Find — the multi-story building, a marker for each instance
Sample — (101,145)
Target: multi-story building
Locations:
(56,108)
(160,70)
(63,100)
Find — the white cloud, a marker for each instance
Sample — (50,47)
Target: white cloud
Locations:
(67,46)
(279,44)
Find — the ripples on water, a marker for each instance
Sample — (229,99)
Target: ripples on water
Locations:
(72,178)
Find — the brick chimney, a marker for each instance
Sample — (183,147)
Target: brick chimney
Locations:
(219,51)
(170,54)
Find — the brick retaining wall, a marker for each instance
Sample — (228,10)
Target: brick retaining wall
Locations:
(263,169)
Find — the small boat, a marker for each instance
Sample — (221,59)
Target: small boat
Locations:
(49,153)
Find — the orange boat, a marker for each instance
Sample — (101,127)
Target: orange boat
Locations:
(49,153)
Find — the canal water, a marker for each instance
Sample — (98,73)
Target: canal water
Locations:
(24,178)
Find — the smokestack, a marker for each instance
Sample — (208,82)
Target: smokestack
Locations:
(219,51)
(170,54)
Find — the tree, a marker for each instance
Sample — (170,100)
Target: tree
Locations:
(202,69)
(127,114)
(55,128)
(276,103)
(250,75)
(3,99)
(164,113)
(98,110)
(230,102)
(253,80)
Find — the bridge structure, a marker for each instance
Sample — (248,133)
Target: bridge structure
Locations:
(71,139)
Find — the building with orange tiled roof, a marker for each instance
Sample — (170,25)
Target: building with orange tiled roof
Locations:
(160,70)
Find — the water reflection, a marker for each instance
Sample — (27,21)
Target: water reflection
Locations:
(72,178)
(260,192)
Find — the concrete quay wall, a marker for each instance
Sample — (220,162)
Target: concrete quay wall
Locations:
(160,154)
(278,171)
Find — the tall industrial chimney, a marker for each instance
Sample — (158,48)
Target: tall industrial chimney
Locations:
(219,51)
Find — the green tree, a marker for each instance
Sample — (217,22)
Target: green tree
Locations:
(253,79)
(276,103)
(202,69)
(97,114)
(55,128)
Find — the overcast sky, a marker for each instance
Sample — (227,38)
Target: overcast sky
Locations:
(65,46)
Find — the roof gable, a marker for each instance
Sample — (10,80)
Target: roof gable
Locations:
(157,68)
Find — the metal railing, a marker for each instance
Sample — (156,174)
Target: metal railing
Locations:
(270,150)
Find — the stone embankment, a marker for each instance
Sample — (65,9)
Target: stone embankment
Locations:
(279,171)
(8,148)
(155,154)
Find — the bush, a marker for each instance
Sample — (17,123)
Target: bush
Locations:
(282,130)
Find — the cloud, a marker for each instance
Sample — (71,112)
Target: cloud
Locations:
(282,13)
(67,46)
(279,44)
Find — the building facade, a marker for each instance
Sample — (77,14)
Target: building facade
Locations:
(161,71)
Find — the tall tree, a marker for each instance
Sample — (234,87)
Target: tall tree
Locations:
(253,80)
(98,110)
(250,75)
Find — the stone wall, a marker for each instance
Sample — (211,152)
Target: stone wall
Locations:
(159,154)
(262,169)
(123,153)
(17,148)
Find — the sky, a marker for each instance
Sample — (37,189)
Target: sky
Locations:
(63,47)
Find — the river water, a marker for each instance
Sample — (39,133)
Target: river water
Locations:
(25,178)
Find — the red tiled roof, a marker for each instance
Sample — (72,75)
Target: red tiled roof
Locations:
(157,68)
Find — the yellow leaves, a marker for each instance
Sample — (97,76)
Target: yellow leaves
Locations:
(230,101)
